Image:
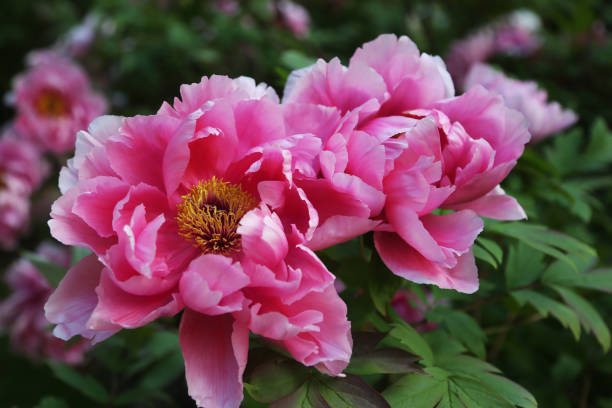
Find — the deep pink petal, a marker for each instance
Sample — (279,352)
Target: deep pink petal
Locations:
(211,285)
(406,262)
(496,204)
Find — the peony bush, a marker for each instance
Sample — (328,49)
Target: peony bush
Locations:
(396,229)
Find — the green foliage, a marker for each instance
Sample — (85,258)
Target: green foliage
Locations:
(51,402)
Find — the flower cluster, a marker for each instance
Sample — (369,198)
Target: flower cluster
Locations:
(213,206)
(516,34)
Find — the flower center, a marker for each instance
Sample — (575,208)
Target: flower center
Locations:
(209,215)
(51,103)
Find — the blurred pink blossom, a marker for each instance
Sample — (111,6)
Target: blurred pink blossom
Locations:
(195,208)
(412,309)
(294,16)
(515,34)
(545,118)
(22,313)
(21,160)
(22,170)
(54,100)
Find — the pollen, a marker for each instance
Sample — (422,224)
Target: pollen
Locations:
(209,214)
(52,104)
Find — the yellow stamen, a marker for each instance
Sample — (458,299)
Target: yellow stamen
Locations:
(51,103)
(209,215)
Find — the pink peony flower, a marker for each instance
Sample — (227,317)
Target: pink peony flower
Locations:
(22,313)
(412,309)
(544,118)
(54,100)
(402,134)
(515,34)
(195,208)
(294,16)
(14,213)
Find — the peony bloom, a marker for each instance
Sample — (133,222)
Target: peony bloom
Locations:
(295,17)
(195,208)
(54,100)
(22,313)
(545,118)
(404,135)
(516,34)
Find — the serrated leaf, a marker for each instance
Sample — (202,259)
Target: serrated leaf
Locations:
(321,391)
(410,339)
(86,384)
(524,266)
(416,391)
(588,315)
(545,305)
(462,327)
(350,392)
(460,381)
(50,270)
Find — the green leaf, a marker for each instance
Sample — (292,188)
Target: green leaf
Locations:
(349,392)
(560,274)
(51,402)
(409,339)
(274,379)
(78,253)
(86,384)
(598,152)
(563,152)
(368,359)
(383,285)
(50,270)
(589,317)
(460,381)
(545,305)
(492,247)
(524,266)
(462,327)
(484,255)
(416,391)
(321,391)
(163,372)
(293,59)
(541,238)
